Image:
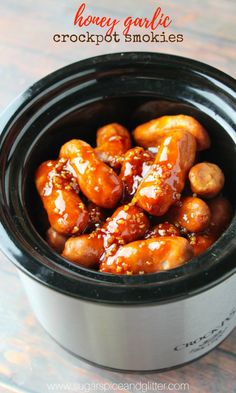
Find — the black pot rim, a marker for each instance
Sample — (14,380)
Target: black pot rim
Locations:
(45,266)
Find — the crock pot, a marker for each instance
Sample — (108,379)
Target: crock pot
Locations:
(138,323)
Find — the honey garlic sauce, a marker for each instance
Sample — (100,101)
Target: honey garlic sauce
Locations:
(136,163)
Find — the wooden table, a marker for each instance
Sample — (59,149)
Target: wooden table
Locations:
(29,359)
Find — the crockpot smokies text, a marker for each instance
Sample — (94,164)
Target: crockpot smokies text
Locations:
(135,208)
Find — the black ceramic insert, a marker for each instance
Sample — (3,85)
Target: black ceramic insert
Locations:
(129,88)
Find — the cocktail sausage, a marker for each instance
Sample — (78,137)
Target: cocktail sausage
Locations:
(162,186)
(84,250)
(148,256)
(97,181)
(190,213)
(151,133)
(56,240)
(221,214)
(105,133)
(206,179)
(163,229)
(66,212)
(113,140)
(127,224)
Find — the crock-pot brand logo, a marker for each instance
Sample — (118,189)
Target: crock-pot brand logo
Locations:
(208,338)
(152,28)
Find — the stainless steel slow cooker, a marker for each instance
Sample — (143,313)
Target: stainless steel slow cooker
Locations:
(149,322)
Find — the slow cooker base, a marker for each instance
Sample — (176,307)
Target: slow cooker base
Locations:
(148,337)
(117,370)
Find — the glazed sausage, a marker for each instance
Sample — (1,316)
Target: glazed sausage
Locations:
(221,215)
(163,229)
(135,166)
(56,240)
(105,133)
(84,250)
(97,181)
(151,133)
(113,140)
(201,242)
(206,179)
(66,212)
(190,213)
(162,186)
(111,153)
(127,224)
(148,256)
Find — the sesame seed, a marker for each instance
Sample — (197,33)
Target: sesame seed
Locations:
(165,265)
(120,221)
(118,269)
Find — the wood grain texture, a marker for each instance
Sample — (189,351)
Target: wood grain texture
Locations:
(29,359)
